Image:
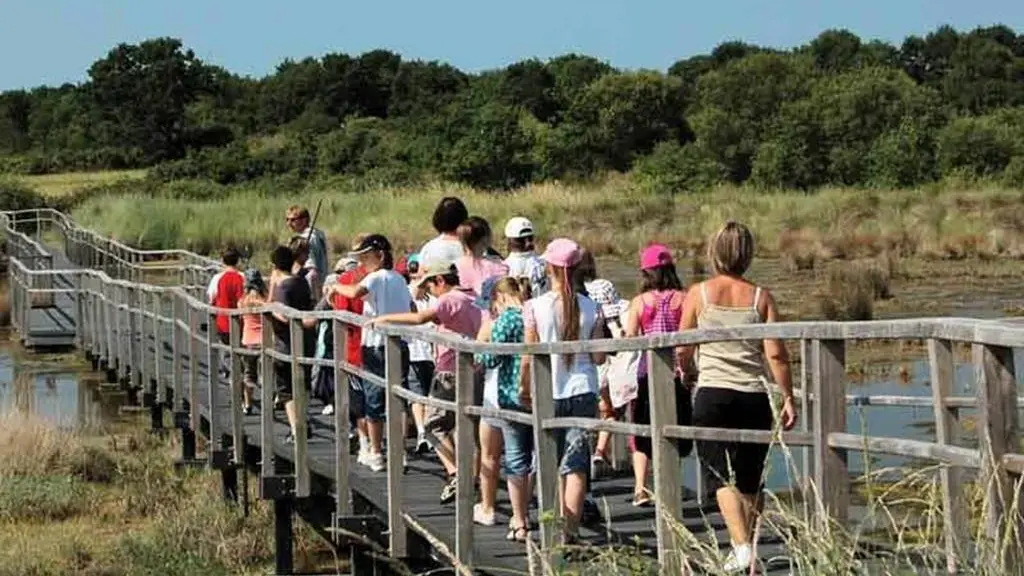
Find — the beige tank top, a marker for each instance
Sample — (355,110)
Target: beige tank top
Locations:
(735,365)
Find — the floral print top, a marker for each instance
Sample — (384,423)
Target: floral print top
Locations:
(507,328)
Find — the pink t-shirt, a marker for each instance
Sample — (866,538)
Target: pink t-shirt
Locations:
(456,313)
(473,272)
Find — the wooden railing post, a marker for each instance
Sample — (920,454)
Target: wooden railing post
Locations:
(397,534)
(109,327)
(546,446)
(178,357)
(267,400)
(133,301)
(215,446)
(955,519)
(81,327)
(341,421)
(830,469)
(666,458)
(158,348)
(807,462)
(465,448)
(95,314)
(121,329)
(193,369)
(997,436)
(237,388)
(301,398)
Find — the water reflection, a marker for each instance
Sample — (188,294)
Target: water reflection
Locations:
(67,398)
(909,422)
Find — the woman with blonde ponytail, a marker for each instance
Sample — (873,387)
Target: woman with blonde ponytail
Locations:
(565,314)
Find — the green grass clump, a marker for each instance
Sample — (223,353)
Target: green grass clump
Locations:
(40,498)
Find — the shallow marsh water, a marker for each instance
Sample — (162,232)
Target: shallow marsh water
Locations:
(56,389)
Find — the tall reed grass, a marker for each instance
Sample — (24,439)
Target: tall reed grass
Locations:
(613,217)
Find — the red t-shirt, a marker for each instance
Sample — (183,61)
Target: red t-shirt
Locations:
(354,349)
(226,289)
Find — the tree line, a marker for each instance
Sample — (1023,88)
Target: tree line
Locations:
(837,111)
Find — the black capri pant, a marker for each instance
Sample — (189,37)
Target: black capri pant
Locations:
(738,464)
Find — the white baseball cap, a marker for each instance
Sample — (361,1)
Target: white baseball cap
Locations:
(518,227)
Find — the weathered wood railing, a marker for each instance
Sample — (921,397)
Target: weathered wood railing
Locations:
(162,318)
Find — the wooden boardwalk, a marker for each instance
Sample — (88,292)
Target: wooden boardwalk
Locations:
(152,337)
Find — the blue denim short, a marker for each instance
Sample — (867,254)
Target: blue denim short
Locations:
(518,443)
(373,395)
(574,443)
(518,449)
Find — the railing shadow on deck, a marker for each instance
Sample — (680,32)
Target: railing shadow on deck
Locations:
(112,298)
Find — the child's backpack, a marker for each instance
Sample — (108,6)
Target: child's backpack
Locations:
(619,372)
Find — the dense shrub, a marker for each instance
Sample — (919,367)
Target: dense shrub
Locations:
(17,196)
(981,146)
(902,157)
(673,168)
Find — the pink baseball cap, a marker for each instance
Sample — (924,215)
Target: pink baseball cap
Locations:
(562,252)
(655,255)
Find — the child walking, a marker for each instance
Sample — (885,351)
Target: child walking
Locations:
(657,310)
(563,314)
(476,266)
(421,354)
(383,292)
(454,311)
(252,333)
(522,262)
(501,390)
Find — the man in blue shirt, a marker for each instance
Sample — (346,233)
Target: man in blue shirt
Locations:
(299,223)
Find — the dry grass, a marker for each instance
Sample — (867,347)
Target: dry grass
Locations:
(57,185)
(32,446)
(115,505)
(851,288)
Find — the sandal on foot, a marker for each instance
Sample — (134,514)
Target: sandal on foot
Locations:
(642,498)
(517,533)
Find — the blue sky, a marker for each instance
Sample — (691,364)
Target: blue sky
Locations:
(53,41)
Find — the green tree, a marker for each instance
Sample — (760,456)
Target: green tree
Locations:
(982,75)
(141,92)
(495,151)
(15,112)
(855,108)
(737,104)
(835,50)
(620,117)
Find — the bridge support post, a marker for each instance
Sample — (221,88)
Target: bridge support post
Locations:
(284,508)
(188,444)
(229,483)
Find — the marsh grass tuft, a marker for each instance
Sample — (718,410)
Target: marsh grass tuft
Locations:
(115,505)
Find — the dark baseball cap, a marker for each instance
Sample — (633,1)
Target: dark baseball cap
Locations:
(370,243)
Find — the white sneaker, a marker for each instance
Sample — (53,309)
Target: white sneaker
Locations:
(363,458)
(739,559)
(328,410)
(376,462)
(482,518)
